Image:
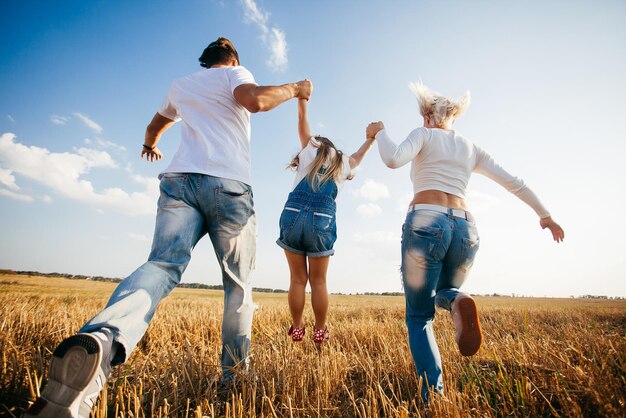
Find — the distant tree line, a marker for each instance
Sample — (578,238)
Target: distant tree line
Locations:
(117,280)
(600,297)
(63,275)
(257,289)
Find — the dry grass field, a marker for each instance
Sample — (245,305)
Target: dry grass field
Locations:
(541,357)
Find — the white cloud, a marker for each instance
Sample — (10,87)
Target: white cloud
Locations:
(7,180)
(10,118)
(46,199)
(252,13)
(103,143)
(273,38)
(382,238)
(64,173)
(9,188)
(16,195)
(379,247)
(479,201)
(96,158)
(403,202)
(369,210)
(139,237)
(372,190)
(59,120)
(278,50)
(91,124)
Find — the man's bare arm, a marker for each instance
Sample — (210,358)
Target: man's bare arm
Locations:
(263,98)
(157,126)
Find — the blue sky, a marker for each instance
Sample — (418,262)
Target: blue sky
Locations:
(81,80)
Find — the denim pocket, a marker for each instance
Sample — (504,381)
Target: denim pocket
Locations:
(323,223)
(288,218)
(172,188)
(470,248)
(427,239)
(234,207)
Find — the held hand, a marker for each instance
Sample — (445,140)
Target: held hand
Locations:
(557,232)
(305,89)
(373,128)
(152,155)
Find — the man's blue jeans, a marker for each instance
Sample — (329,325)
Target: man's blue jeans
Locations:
(438,251)
(191,205)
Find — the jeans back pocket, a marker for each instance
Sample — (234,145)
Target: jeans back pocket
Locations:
(323,223)
(470,248)
(172,190)
(288,218)
(234,207)
(425,240)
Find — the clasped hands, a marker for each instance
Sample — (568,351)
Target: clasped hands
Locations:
(373,128)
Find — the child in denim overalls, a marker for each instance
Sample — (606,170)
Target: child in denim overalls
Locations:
(307,224)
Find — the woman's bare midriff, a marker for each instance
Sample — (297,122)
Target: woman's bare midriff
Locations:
(437,197)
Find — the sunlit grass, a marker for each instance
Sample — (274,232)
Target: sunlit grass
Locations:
(541,357)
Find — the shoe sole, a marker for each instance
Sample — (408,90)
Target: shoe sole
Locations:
(74,364)
(470,337)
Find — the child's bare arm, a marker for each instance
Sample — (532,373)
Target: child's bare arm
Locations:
(304,130)
(357,157)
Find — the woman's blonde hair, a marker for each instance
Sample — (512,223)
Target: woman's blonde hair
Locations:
(327,155)
(440,110)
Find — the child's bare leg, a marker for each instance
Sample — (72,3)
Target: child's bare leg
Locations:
(297,286)
(318,267)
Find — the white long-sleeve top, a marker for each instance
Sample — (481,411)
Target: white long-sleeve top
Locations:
(443,160)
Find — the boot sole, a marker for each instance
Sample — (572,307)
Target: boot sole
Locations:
(74,365)
(470,337)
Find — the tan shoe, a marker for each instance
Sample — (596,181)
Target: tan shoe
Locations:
(466,324)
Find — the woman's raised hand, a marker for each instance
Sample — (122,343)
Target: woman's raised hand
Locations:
(557,232)
(373,128)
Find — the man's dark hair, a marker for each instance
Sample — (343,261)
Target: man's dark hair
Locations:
(220,51)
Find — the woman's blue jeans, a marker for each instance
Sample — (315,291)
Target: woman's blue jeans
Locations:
(190,206)
(438,251)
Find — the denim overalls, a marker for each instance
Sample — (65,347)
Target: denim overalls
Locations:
(307,223)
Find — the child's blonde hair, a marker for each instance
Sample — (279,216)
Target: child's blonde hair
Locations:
(334,163)
(440,110)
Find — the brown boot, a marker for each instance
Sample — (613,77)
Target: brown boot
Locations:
(466,324)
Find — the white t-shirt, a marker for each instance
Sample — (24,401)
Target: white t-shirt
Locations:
(443,160)
(306,157)
(215,136)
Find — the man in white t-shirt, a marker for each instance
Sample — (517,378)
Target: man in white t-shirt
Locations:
(206,189)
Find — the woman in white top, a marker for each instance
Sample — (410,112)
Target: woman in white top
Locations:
(439,238)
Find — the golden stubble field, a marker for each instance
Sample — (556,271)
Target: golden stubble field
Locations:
(540,358)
